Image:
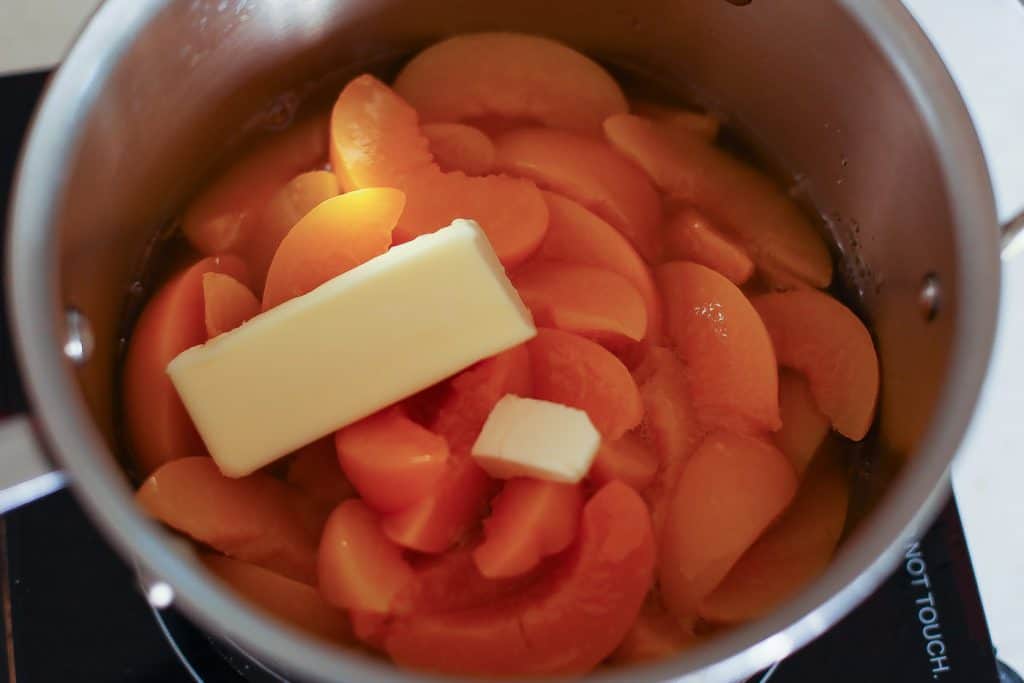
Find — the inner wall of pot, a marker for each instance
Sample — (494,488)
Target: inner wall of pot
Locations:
(799,83)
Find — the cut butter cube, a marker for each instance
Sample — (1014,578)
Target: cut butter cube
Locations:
(379,333)
(525,437)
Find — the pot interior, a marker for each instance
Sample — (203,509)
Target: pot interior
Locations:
(805,88)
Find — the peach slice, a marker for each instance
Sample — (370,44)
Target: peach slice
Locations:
(731,489)
(227,303)
(221,218)
(475,391)
(159,429)
(283,211)
(451,582)
(628,460)
(530,520)
(290,601)
(359,567)
(425,405)
(493,125)
(256,519)
(791,553)
(721,339)
(775,279)
(376,142)
(818,336)
(804,428)
(510,211)
(376,139)
(315,471)
(437,522)
(675,121)
(460,147)
(511,75)
(369,627)
(590,172)
(336,236)
(591,302)
(670,423)
(577,372)
(565,624)
(655,635)
(689,237)
(744,202)
(393,462)
(577,235)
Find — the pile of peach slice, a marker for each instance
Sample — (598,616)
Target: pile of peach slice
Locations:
(651,261)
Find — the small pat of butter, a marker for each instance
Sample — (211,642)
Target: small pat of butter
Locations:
(379,333)
(525,437)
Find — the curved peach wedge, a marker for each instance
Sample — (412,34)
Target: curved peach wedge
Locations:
(336,236)
(159,429)
(392,461)
(460,147)
(375,138)
(821,338)
(743,201)
(675,121)
(690,237)
(227,303)
(438,521)
(670,423)
(282,212)
(731,489)
(588,301)
(775,279)
(256,518)
(359,568)
(290,601)
(577,235)
(530,520)
(315,471)
(565,624)
(368,627)
(221,218)
(510,211)
(475,391)
(791,553)
(628,460)
(451,582)
(655,635)
(376,142)
(721,339)
(577,372)
(513,76)
(804,427)
(590,172)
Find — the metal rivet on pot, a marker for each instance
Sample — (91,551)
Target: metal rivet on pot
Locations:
(79,342)
(159,594)
(930,298)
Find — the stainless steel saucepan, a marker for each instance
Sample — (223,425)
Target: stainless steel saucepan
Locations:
(848,97)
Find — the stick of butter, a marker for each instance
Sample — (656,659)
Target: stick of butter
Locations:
(379,333)
(527,437)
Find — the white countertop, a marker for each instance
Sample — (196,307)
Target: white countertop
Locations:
(980,41)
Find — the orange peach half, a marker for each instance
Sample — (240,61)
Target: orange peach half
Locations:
(746,203)
(818,336)
(732,488)
(512,76)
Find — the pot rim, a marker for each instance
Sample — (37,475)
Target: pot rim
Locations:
(33,293)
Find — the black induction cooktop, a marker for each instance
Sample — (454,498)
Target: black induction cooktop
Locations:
(72,611)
